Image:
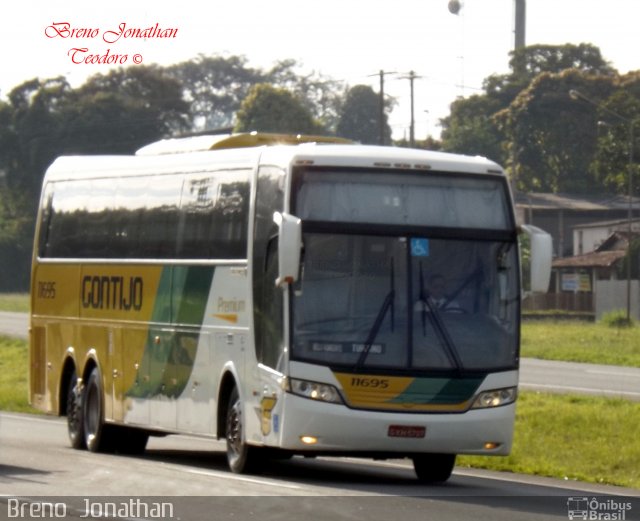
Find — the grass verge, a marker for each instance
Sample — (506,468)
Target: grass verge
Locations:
(13,375)
(574,437)
(576,341)
(18,302)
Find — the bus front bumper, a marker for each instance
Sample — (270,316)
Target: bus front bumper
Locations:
(319,427)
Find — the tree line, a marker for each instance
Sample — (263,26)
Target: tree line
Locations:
(525,120)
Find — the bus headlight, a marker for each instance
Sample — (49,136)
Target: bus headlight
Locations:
(315,390)
(495,398)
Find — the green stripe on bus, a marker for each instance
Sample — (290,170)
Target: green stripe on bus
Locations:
(169,355)
(439,391)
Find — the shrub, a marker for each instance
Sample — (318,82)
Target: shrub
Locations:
(617,318)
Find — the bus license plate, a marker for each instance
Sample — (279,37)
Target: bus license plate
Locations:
(406,431)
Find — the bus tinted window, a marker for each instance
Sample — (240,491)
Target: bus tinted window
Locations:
(213,216)
(68,211)
(148,217)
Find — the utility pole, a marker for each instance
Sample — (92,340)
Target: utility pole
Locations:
(381,113)
(520,19)
(412,131)
(381,136)
(520,24)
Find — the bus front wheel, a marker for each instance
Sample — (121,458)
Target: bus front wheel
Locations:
(434,468)
(240,456)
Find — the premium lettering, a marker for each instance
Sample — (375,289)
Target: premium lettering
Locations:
(112,292)
(230,306)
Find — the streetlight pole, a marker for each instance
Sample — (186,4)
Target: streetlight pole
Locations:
(577,95)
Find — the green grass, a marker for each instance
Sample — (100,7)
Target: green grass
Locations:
(18,302)
(576,341)
(13,375)
(572,437)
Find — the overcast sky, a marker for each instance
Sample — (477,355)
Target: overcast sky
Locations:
(349,40)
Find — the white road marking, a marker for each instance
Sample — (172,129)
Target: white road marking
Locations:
(612,373)
(589,390)
(228,476)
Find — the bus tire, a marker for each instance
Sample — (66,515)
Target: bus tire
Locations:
(75,420)
(434,468)
(96,433)
(241,457)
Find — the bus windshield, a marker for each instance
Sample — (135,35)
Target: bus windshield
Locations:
(406,303)
(406,271)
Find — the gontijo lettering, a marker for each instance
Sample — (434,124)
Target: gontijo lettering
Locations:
(112,292)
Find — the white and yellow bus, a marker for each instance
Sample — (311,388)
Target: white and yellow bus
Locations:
(279,292)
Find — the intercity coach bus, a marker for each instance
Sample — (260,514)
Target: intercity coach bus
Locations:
(277,292)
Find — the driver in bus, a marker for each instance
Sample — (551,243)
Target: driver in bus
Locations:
(438,298)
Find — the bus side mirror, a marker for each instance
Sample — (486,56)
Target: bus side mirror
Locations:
(289,245)
(540,256)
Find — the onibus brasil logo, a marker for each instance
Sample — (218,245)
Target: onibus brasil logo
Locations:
(597,509)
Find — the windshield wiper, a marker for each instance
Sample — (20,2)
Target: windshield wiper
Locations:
(373,332)
(438,325)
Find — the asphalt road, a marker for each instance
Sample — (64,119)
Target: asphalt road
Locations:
(14,324)
(541,375)
(570,377)
(37,465)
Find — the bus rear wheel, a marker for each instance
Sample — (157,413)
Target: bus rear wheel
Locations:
(75,420)
(96,434)
(434,468)
(240,456)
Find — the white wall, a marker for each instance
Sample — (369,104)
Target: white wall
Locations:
(612,294)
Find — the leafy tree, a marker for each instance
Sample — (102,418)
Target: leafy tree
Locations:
(471,126)
(43,119)
(33,123)
(470,129)
(319,94)
(29,124)
(430,143)
(633,256)
(552,137)
(530,61)
(618,115)
(360,116)
(120,111)
(271,109)
(215,87)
